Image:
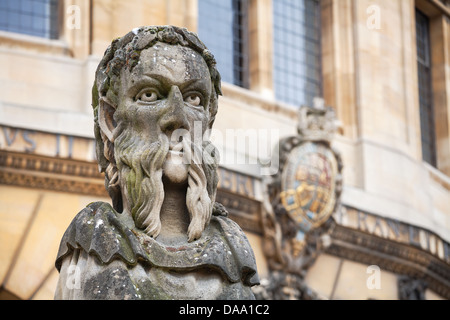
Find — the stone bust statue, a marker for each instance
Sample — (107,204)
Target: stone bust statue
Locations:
(155,96)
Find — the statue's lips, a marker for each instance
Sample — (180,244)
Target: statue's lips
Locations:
(176,153)
(176,149)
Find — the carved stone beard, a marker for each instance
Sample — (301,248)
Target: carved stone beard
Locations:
(140,166)
(202,184)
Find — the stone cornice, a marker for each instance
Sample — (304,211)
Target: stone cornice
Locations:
(396,257)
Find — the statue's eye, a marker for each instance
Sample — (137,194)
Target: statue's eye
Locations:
(193,99)
(147,96)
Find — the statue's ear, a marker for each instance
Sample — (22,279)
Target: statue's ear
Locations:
(106,118)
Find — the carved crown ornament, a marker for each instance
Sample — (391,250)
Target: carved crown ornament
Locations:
(300,200)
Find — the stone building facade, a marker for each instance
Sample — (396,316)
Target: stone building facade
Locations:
(383,66)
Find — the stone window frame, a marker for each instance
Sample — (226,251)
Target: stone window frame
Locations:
(27,18)
(426,105)
(292,72)
(439,27)
(70,41)
(236,47)
(261,55)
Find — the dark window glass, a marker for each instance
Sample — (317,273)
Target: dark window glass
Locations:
(297,51)
(33,17)
(425,90)
(223,27)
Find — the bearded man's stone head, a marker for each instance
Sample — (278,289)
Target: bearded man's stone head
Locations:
(152,87)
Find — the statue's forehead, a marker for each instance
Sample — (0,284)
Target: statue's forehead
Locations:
(180,62)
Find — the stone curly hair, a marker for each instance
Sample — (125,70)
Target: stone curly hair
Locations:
(124,52)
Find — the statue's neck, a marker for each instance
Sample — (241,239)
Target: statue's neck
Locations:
(174,215)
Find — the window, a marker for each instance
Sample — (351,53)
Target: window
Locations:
(223,28)
(297,67)
(427,126)
(33,17)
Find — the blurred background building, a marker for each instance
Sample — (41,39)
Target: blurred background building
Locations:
(382,65)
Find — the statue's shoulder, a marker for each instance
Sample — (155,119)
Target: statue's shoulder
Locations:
(238,247)
(90,211)
(93,207)
(87,216)
(100,231)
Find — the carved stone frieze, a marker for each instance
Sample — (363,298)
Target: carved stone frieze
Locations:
(33,162)
(45,173)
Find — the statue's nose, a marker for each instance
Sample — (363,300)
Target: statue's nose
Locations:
(174,116)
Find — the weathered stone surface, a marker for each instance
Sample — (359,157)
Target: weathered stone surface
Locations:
(154,98)
(130,265)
